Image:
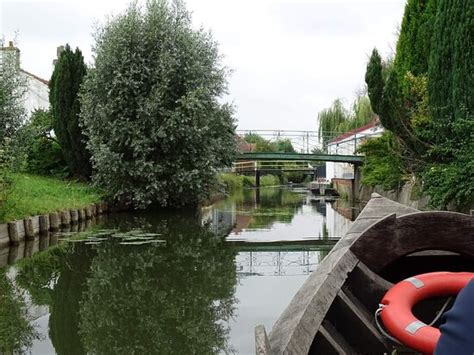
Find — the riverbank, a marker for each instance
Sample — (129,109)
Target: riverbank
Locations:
(408,194)
(239,275)
(232,182)
(31,195)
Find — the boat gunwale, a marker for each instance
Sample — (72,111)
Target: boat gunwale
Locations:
(296,328)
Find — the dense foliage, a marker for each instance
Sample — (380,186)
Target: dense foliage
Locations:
(383,165)
(449,175)
(39,149)
(263,145)
(394,94)
(157,130)
(426,98)
(64,85)
(232,182)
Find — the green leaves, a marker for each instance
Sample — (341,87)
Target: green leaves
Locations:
(427,103)
(150,108)
(375,81)
(64,85)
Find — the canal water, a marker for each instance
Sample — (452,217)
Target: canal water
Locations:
(167,283)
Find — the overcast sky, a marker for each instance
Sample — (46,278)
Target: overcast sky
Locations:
(290,59)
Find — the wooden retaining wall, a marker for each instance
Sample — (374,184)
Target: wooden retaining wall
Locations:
(10,253)
(15,232)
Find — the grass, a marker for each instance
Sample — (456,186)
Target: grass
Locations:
(234,182)
(32,195)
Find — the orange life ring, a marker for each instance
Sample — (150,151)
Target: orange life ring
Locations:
(397,303)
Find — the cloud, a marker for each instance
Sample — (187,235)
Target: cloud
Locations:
(290,58)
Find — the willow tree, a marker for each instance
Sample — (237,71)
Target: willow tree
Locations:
(336,119)
(64,86)
(157,128)
(330,121)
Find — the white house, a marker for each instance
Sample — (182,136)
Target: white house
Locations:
(347,144)
(37,92)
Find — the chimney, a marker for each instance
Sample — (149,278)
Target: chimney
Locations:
(10,51)
(59,50)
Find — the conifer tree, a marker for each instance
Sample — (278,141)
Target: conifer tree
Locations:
(374,80)
(449,178)
(451,70)
(64,86)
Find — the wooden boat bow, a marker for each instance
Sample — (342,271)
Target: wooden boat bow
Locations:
(333,310)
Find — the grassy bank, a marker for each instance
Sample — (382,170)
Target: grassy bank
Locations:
(32,195)
(234,182)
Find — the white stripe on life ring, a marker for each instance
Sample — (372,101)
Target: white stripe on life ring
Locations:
(413,327)
(415,282)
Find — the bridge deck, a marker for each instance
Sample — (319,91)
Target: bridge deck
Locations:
(352,159)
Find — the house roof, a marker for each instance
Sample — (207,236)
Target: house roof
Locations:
(354,131)
(46,82)
(244,146)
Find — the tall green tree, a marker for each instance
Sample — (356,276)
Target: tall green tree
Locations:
(375,83)
(157,129)
(64,87)
(450,175)
(398,90)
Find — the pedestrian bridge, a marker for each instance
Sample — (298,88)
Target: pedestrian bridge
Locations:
(300,157)
(261,163)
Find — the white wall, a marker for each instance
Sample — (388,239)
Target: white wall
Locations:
(37,94)
(348,146)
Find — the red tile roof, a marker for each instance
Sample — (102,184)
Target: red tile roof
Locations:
(354,131)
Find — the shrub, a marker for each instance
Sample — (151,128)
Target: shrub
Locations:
(150,107)
(269,180)
(248,181)
(231,182)
(40,151)
(382,164)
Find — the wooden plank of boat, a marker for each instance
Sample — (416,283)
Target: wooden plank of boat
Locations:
(414,232)
(332,312)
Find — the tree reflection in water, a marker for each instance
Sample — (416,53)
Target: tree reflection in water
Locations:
(16,332)
(163,298)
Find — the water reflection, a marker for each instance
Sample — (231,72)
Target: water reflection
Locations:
(280,214)
(198,292)
(16,331)
(110,298)
(277,263)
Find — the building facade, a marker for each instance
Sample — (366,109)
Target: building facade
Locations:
(37,89)
(347,144)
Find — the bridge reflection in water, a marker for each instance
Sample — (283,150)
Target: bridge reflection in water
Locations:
(278,263)
(286,241)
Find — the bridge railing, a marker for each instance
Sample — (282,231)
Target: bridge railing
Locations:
(314,141)
(248,166)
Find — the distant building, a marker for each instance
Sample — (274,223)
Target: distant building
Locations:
(244,146)
(347,144)
(37,93)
